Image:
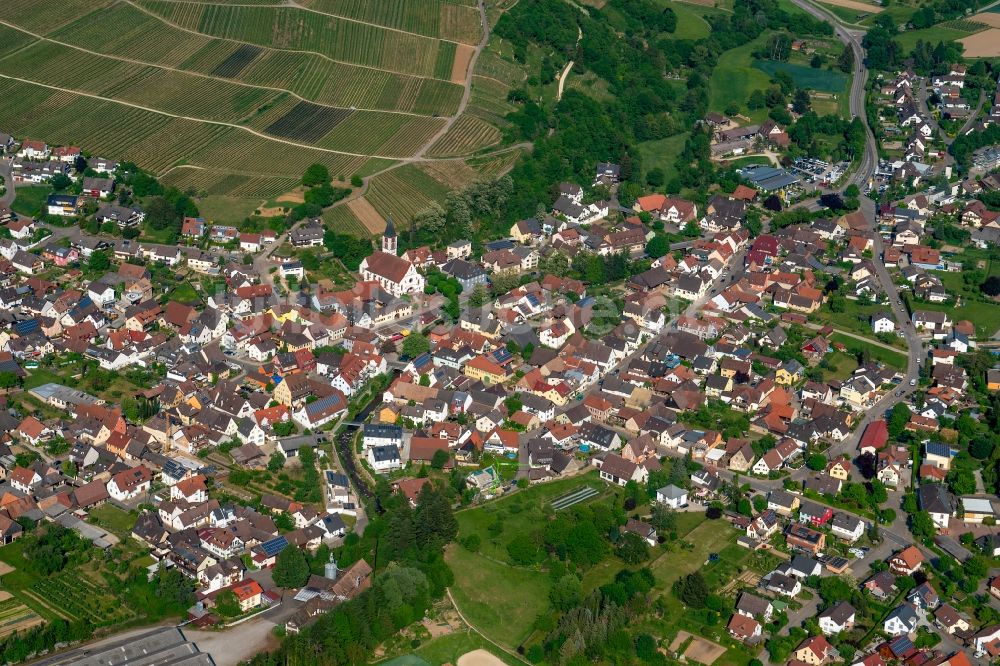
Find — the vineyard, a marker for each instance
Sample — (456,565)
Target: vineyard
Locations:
(80,598)
(237,98)
(467,135)
(343,221)
(404,192)
(294,29)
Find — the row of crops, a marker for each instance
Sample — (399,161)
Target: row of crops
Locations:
(446,20)
(81,598)
(127,40)
(295,29)
(466,136)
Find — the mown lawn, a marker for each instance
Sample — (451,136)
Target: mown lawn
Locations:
(114,520)
(447,649)
(710,536)
(841,366)
(897,360)
(30,200)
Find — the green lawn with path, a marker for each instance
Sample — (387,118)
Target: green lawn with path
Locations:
(447,649)
(498,599)
(690,23)
(897,360)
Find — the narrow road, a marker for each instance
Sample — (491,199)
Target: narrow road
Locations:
(6,172)
(562,79)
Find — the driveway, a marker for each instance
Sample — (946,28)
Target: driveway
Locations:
(244,641)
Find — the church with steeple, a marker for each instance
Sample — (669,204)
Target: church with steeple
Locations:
(393,273)
(390,242)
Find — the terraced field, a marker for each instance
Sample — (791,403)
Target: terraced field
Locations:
(237,98)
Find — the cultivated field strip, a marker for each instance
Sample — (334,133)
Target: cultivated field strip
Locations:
(466,136)
(296,29)
(46,15)
(171,91)
(372,133)
(150,139)
(453,22)
(342,220)
(491,167)
(212,183)
(453,174)
(12,40)
(489,101)
(404,192)
(125,32)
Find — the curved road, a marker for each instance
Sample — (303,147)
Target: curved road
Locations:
(865,172)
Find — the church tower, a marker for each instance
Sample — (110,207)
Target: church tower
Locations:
(389,239)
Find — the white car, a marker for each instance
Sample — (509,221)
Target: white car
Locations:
(913,382)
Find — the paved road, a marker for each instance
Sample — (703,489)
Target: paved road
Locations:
(6,169)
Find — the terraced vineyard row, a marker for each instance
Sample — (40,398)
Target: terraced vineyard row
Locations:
(296,29)
(449,21)
(41,16)
(152,140)
(371,133)
(126,32)
(165,90)
(466,136)
(404,192)
(343,221)
(489,101)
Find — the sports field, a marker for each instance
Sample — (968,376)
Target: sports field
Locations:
(237,99)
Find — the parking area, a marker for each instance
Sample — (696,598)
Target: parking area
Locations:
(819,172)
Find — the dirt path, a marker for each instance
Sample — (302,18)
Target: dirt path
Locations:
(467,94)
(569,66)
(562,79)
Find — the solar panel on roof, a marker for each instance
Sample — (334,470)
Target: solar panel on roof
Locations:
(502,356)
(274,546)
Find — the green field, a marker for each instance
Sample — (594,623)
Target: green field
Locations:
(935,34)
(823,80)
(30,200)
(500,600)
(690,22)
(662,154)
(840,366)
(897,360)
(735,77)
